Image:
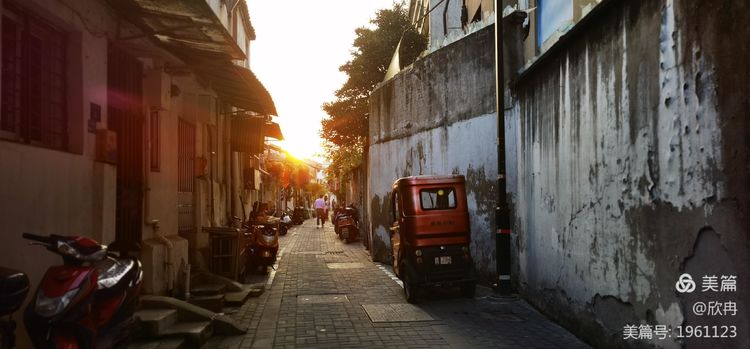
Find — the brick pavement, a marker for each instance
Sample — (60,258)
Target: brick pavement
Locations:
(305,307)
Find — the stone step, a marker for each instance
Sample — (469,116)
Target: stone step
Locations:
(236,299)
(213,303)
(195,332)
(207,290)
(161,343)
(155,321)
(222,324)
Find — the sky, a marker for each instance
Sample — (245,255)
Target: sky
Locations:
(298,49)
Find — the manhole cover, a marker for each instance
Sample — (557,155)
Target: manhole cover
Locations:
(345,265)
(321,298)
(395,313)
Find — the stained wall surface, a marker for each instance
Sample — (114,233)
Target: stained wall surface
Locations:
(628,159)
(438,117)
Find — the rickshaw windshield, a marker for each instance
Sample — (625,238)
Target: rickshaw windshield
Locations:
(438,198)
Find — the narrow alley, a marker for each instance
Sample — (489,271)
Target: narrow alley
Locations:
(328,294)
(575,170)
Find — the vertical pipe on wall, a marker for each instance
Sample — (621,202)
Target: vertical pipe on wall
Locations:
(502,212)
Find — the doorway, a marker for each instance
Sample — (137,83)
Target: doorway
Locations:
(125,117)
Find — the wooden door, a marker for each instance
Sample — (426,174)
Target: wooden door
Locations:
(125,117)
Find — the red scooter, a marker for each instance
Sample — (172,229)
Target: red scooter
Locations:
(89,301)
(261,246)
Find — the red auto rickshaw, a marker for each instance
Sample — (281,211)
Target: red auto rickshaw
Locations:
(430,234)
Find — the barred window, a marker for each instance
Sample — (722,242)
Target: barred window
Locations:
(33,80)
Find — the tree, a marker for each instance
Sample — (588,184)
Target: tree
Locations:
(345,130)
(315,189)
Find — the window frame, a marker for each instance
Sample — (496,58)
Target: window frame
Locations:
(451,191)
(40,112)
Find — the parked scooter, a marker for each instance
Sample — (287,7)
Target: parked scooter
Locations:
(89,301)
(346,223)
(299,215)
(14,285)
(261,245)
(285,221)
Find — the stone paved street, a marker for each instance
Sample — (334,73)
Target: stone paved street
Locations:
(315,300)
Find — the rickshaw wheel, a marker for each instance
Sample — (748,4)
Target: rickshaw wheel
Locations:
(410,290)
(468,289)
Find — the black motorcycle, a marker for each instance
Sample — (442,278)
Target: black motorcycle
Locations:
(14,285)
(346,223)
(298,217)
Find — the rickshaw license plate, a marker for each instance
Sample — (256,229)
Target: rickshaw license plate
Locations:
(443,260)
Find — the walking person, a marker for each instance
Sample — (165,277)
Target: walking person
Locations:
(320,207)
(327,208)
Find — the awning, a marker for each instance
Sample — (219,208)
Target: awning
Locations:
(263,172)
(238,86)
(193,33)
(249,132)
(187,26)
(272,129)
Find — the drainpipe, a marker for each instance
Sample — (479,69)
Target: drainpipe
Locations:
(168,246)
(147,167)
(186,272)
(445,18)
(502,211)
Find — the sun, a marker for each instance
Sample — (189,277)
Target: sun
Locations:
(300,148)
(301,137)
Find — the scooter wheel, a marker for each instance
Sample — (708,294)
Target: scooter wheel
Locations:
(468,289)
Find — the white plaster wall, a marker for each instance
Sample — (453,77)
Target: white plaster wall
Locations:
(462,147)
(48,191)
(452,22)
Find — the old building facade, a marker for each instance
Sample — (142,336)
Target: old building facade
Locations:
(131,124)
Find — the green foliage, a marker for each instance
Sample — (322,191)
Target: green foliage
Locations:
(346,128)
(315,189)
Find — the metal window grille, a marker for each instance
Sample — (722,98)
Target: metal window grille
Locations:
(155,129)
(33,80)
(186,156)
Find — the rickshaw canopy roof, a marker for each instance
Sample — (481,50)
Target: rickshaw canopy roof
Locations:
(429,180)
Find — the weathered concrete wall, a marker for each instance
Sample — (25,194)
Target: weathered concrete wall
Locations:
(628,152)
(438,117)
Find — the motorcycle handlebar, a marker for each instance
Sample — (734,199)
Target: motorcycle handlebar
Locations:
(39,238)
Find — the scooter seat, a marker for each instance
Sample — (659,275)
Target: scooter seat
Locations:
(112,271)
(13,288)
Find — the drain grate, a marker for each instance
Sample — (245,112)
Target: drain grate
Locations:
(308,252)
(497,315)
(321,298)
(334,252)
(395,313)
(345,265)
(493,315)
